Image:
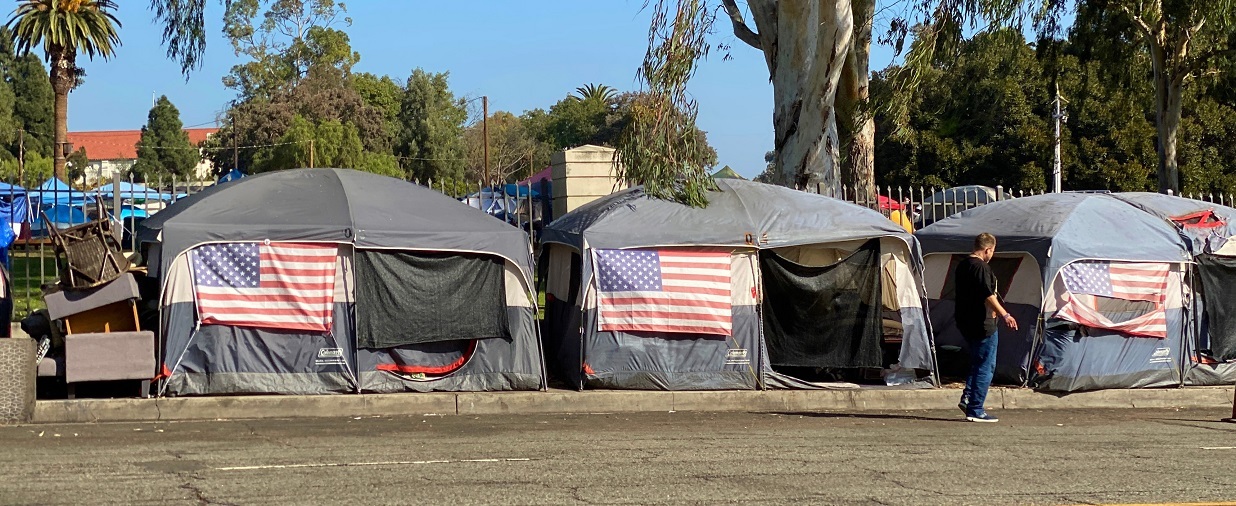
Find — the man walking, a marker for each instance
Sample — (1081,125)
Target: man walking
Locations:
(977,308)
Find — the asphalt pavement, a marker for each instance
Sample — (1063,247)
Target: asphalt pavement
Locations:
(921,457)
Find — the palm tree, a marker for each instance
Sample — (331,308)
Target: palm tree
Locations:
(65,28)
(596,91)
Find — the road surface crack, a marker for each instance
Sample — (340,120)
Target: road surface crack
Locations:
(198,494)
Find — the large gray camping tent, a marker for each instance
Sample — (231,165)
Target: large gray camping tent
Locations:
(1066,257)
(1210,232)
(428,294)
(804,282)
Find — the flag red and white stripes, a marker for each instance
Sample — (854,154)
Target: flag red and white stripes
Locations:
(1087,280)
(272,285)
(665,290)
(1080,308)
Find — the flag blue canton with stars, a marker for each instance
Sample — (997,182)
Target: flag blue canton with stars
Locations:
(228,265)
(629,270)
(1092,278)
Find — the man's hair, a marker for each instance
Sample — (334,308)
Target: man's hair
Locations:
(984,241)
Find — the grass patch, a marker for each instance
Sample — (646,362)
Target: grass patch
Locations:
(27,294)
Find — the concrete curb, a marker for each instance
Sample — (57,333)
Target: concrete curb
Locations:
(601,401)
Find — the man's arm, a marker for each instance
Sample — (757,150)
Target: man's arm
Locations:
(993,303)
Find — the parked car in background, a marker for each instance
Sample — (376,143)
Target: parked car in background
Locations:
(950,201)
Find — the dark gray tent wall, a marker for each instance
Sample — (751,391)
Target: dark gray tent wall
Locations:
(419,241)
(743,217)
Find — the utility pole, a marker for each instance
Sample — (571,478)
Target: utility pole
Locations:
(235,146)
(1059,117)
(485,134)
(21,156)
(310,153)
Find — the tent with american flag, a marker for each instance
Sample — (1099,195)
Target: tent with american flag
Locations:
(766,287)
(1099,286)
(1209,230)
(338,281)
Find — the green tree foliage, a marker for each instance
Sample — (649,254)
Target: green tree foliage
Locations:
(770,169)
(659,148)
(38,169)
(292,39)
(430,142)
(1180,42)
(24,76)
(164,149)
(78,164)
(329,143)
(593,91)
(984,117)
(300,65)
(382,93)
(33,113)
(980,117)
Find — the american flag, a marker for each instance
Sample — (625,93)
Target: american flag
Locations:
(273,285)
(681,291)
(1129,281)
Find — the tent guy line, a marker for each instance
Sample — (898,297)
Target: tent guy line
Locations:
(381,463)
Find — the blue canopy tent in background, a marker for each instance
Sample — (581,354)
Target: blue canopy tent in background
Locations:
(131,191)
(63,205)
(54,191)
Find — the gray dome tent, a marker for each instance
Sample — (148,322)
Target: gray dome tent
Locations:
(1043,240)
(1208,230)
(428,294)
(780,248)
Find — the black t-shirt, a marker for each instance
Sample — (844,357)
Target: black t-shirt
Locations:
(974,282)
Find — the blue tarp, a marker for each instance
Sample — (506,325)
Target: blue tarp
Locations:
(14,204)
(131,191)
(63,216)
(55,191)
(512,189)
(231,176)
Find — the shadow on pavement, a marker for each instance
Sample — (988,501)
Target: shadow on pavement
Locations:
(874,416)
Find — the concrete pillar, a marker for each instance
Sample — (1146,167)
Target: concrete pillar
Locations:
(582,175)
(17,377)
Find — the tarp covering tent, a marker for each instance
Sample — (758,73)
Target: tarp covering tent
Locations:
(1210,231)
(131,191)
(546,174)
(54,192)
(14,210)
(426,294)
(840,285)
(1061,258)
(232,175)
(63,205)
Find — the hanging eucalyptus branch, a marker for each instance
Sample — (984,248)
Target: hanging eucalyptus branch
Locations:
(660,147)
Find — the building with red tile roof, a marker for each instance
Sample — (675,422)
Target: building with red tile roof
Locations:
(112,151)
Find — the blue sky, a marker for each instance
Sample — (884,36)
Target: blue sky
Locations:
(523,55)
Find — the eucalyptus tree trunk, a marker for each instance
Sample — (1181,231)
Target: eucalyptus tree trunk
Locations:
(805,45)
(63,75)
(1168,96)
(1171,40)
(856,120)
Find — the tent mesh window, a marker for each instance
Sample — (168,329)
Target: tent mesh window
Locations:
(406,298)
(1218,275)
(823,316)
(1003,267)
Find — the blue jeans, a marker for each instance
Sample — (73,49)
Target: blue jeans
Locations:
(982,367)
